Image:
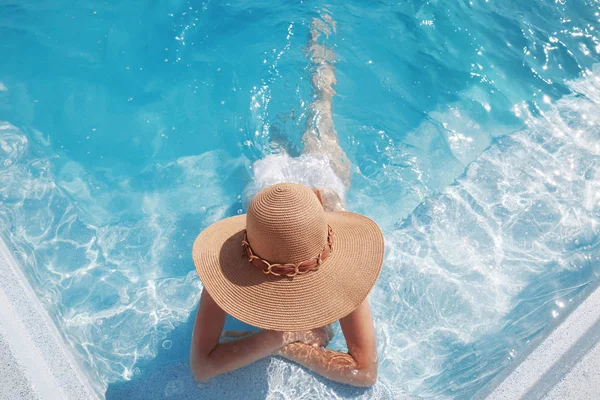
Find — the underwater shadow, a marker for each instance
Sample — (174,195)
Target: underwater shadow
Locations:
(168,376)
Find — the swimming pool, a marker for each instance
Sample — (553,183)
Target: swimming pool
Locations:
(130,127)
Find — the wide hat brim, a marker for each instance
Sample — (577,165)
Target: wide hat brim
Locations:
(297,303)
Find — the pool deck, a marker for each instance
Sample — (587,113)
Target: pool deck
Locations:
(35,363)
(564,366)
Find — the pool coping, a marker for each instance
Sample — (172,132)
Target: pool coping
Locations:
(564,364)
(36,361)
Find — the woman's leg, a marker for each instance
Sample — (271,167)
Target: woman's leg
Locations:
(320,137)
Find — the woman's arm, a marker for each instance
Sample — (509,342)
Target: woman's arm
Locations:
(358,367)
(209,358)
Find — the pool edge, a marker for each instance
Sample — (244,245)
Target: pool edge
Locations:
(558,364)
(35,348)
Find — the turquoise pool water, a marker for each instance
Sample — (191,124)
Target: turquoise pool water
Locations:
(472,128)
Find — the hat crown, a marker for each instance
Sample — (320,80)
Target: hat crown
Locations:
(286,224)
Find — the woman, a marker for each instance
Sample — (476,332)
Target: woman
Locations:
(293,265)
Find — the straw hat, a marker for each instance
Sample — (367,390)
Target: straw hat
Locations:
(288,265)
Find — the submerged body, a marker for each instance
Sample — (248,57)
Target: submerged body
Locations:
(211,355)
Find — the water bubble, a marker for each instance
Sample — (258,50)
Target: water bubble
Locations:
(167,344)
(123,296)
(191,277)
(99,321)
(174,388)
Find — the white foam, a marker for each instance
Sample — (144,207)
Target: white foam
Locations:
(307,170)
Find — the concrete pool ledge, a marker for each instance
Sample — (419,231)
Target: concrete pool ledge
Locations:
(35,363)
(563,366)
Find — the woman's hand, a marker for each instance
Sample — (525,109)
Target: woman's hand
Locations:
(318,337)
(358,367)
